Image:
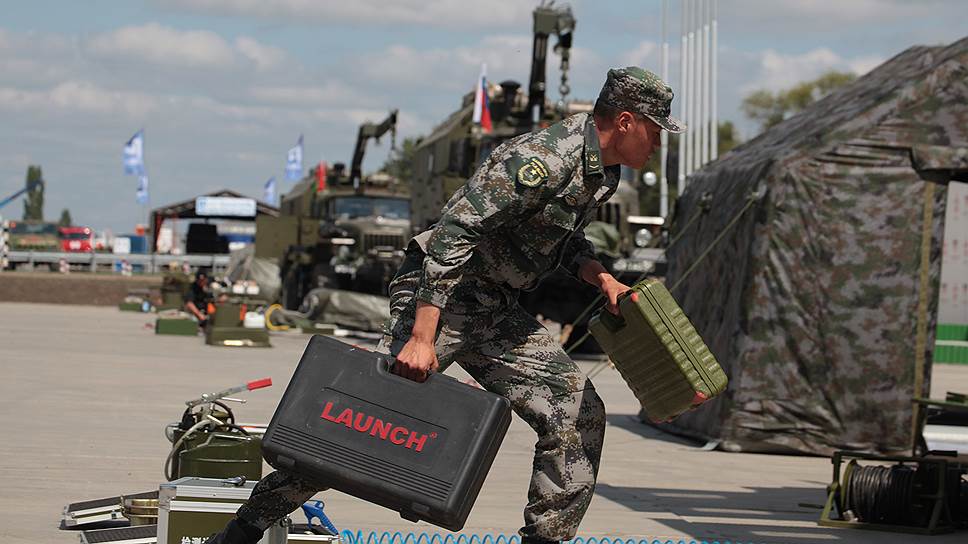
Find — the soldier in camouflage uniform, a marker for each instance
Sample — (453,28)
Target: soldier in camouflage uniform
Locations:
(455,296)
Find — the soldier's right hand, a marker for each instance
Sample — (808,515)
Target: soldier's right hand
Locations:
(416,360)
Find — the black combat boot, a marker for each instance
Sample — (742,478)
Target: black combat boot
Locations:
(236,531)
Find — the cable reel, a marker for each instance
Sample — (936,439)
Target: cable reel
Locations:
(925,495)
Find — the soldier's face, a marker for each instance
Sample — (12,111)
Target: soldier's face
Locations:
(639,141)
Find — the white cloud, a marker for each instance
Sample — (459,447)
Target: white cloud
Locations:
(832,13)
(456,69)
(77,96)
(161,45)
(644,54)
(779,71)
(449,13)
(775,71)
(862,65)
(164,45)
(264,56)
(330,93)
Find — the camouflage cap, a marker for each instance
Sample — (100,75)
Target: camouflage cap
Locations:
(641,91)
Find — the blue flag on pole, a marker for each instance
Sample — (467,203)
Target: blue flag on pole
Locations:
(294,161)
(134,155)
(142,195)
(269,191)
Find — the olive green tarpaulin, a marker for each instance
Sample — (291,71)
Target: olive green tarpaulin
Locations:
(821,301)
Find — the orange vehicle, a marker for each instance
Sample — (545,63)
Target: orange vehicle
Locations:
(76,239)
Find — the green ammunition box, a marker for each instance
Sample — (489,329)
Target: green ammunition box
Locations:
(179,326)
(237,337)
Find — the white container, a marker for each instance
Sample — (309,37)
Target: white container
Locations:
(254,320)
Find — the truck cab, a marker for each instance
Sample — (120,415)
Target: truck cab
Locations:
(76,239)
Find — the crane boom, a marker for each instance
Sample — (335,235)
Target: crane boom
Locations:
(367,131)
(548,20)
(30,187)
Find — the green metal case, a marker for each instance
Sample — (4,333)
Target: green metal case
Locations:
(658,352)
(179,326)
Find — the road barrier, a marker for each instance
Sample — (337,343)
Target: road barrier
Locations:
(148,263)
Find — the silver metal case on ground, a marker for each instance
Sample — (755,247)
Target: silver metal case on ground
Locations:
(101,510)
(194,508)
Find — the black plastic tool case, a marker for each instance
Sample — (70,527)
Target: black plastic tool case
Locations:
(422,449)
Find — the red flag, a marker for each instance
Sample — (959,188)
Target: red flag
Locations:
(321,177)
(482,111)
(486,124)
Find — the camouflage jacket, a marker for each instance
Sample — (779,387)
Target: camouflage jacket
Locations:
(522,213)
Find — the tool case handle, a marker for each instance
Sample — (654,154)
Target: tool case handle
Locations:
(614,322)
(385,363)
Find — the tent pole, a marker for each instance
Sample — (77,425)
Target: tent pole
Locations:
(921,341)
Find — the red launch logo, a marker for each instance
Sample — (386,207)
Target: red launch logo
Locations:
(377,428)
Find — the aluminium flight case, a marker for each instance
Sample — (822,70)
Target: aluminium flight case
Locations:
(421,449)
(194,508)
(658,352)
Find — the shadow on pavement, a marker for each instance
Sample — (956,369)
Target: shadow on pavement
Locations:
(740,516)
(734,516)
(633,424)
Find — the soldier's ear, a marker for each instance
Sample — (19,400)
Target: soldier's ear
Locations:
(624,122)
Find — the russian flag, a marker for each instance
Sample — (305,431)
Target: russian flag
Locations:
(482,112)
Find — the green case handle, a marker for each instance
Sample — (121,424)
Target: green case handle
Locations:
(611,321)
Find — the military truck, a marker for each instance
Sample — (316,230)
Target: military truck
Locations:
(337,228)
(33,235)
(444,160)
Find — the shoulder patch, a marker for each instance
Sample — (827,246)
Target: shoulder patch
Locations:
(533,172)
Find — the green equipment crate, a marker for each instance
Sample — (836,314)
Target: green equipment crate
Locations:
(658,352)
(237,337)
(130,306)
(951,344)
(176,325)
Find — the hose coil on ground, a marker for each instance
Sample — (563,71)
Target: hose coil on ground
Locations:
(881,494)
(390,537)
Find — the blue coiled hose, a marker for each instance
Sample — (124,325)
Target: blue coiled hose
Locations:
(398,537)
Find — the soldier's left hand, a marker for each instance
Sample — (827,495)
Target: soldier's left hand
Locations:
(612,289)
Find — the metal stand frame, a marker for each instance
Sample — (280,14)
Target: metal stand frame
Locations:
(941,520)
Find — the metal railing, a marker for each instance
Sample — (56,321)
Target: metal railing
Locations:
(149,263)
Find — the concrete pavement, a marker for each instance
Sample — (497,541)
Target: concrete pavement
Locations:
(86,392)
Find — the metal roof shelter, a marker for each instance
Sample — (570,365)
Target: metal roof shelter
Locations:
(187,210)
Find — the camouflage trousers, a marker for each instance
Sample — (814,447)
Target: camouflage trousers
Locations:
(510,353)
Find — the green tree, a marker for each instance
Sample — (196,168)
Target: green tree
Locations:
(400,164)
(727,138)
(65,219)
(769,109)
(34,201)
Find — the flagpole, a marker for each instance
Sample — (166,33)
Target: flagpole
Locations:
(664,155)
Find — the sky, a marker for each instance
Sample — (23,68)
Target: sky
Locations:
(222,88)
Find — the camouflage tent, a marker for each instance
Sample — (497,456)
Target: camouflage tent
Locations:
(820,298)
